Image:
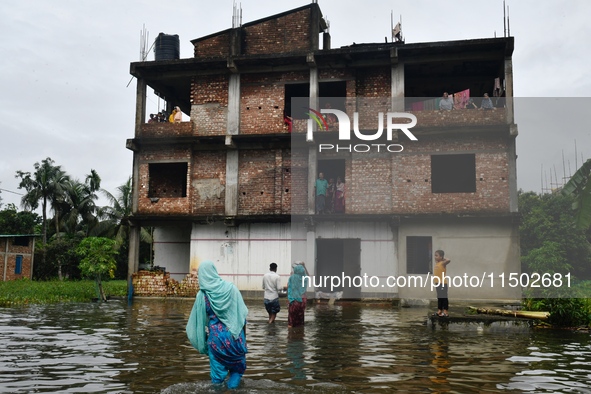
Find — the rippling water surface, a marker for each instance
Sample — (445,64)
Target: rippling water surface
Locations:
(354,348)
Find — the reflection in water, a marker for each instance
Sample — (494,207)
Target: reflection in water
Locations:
(441,362)
(142,348)
(295,352)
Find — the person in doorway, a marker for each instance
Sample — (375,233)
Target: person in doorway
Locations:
(440,272)
(320,187)
(330,192)
(217,326)
(272,287)
(296,295)
(339,197)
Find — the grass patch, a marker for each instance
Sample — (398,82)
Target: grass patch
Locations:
(24,291)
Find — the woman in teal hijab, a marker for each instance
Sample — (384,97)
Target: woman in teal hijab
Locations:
(217,325)
(296,295)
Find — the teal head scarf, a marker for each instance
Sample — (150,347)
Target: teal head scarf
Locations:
(225,300)
(295,286)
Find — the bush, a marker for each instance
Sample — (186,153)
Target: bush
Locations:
(25,291)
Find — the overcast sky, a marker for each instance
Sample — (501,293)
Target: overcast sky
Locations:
(64,71)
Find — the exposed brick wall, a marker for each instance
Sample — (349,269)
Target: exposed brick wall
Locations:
(261,109)
(373,82)
(411,181)
(215,46)
(460,117)
(400,183)
(209,109)
(208,181)
(164,205)
(13,251)
(262,101)
(369,108)
(290,33)
(369,186)
(299,181)
(260,185)
(283,196)
(155,130)
(157,283)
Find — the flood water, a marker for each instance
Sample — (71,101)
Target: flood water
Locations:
(141,347)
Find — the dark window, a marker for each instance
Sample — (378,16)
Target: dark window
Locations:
(328,92)
(293,108)
(168,180)
(453,173)
(418,255)
(21,241)
(332,168)
(18,267)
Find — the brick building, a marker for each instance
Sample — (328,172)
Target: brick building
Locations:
(235,184)
(16,256)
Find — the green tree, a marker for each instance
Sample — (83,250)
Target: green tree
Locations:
(579,186)
(551,243)
(98,260)
(18,222)
(78,209)
(61,257)
(46,185)
(548,231)
(116,225)
(116,214)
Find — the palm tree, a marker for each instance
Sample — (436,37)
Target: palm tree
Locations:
(78,209)
(46,184)
(116,215)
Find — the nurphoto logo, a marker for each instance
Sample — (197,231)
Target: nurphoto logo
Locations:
(392,124)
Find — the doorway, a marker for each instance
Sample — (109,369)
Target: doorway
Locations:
(340,258)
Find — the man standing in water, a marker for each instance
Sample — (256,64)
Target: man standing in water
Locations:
(272,286)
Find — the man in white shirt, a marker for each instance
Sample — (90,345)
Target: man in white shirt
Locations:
(272,286)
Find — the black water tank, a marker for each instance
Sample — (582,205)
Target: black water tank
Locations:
(167,47)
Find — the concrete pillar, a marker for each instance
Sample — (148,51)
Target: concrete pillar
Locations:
(140,106)
(513,132)
(233,125)
(315,16)
(134,231)
(231,208)
(312,154)
(232,128)
(509,89)
(134,250)
(397,87)
(312,175)
(311,251)
(512,161)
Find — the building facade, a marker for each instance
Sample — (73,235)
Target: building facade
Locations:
(236,183)
(16,256)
